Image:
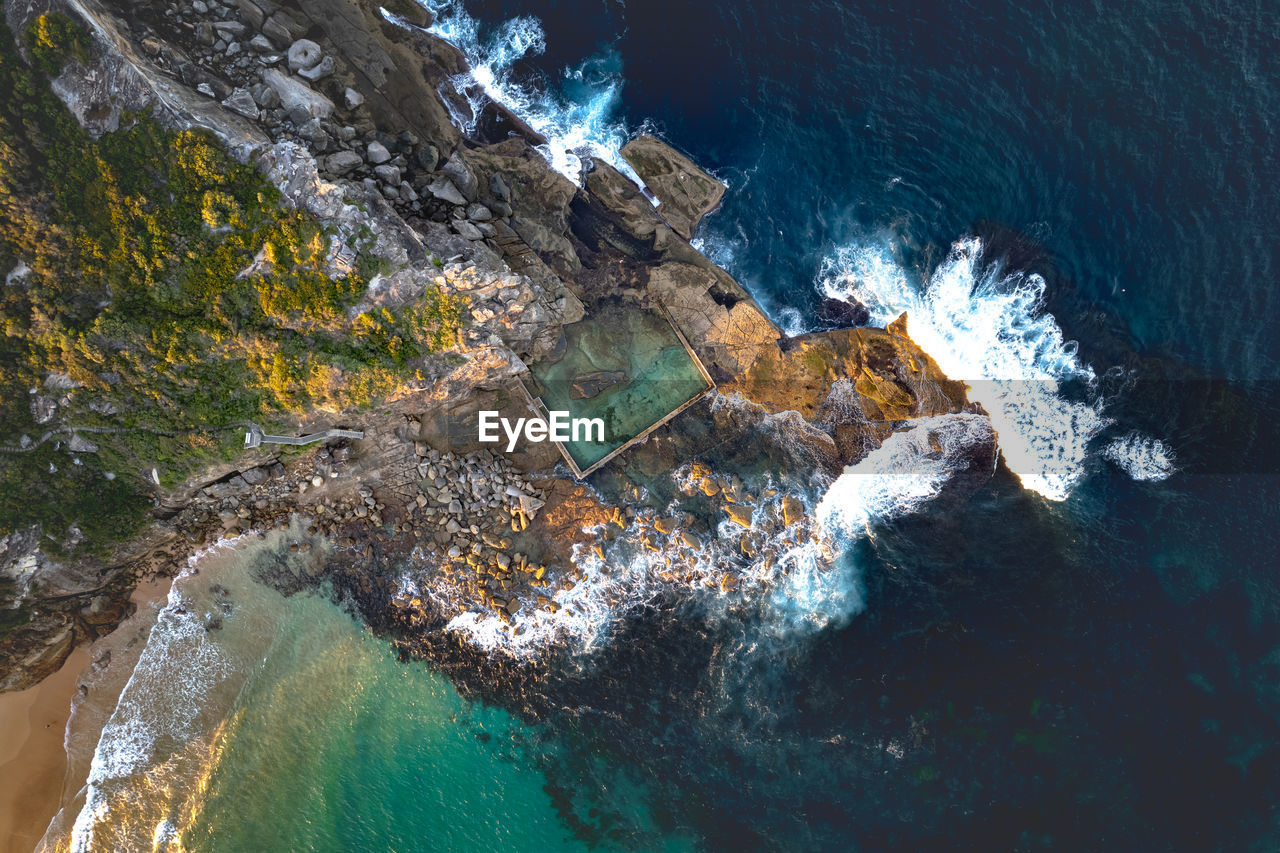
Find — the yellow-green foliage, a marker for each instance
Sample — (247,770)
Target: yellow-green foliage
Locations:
(170,282)
(52,38)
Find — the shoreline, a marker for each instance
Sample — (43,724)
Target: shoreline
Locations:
(33,757)
(37,772)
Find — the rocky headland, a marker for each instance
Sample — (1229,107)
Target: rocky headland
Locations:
(355,116)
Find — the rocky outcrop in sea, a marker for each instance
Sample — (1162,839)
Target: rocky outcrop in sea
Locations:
(455,548)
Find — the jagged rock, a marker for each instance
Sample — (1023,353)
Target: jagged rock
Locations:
(739,514)
(462,177)
(313,131)
(304,53)
(499,188)
(352,98)
(205,33)
(426,157)
(298,96)
(478,213)
(376,153)
(792,510)
(230,30)
(687,192)
(322,69)
(80,444)
(467,230)
(342,162)
(261,44)
(265,97)
(388,174)
(283,28)
(842,313)
(241,101)
(253,13)
(445,190)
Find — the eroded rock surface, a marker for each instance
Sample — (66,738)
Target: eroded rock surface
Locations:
(687,192)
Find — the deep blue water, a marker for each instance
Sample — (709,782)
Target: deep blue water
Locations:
(1098,673)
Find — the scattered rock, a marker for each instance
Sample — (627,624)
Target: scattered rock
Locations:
(445,190)
(462,177)
(242,102)
(467,230)
(342,162)
(304,53)
(388,174)
(376,153)
(296,95)
(322,69)
(792,510)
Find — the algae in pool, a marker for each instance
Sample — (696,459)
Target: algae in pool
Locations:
(623,365)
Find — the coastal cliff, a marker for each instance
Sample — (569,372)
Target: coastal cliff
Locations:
(354,117)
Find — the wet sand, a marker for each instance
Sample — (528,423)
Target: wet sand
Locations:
(33,731)
(33,761)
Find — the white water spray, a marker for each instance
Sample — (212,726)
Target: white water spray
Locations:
(576,129)
(989,329)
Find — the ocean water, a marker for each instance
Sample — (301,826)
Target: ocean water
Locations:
(1074,205)
(259,721)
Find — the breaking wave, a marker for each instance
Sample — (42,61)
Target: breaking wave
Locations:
(577,119)
(911,467)
(987,327)
(147,745)
(1141,457)
(773,555)
(149,772)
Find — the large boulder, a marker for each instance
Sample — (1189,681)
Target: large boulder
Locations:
(686,192)
(297,95)
(304,53)
(342,162)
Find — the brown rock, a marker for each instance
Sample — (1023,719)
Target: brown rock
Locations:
(687,193)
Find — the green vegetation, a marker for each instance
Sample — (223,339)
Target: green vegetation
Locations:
(52,38)
(170,284)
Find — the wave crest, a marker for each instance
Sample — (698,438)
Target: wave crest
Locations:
(1142,457)
(578,126)
(988,328)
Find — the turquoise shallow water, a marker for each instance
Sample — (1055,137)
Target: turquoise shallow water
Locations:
(659,376)
(336,746)
(290,727)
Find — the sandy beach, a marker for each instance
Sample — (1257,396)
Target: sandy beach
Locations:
(33,730)
(33,761)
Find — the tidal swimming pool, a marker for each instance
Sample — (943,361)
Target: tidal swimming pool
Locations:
(622,364)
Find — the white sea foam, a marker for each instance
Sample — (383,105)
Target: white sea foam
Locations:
(794,578)
(577,127)
(160,708)
(909,469)
(989,329)
(1142,457)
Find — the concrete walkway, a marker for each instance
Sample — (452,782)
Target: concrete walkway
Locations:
(256,437)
